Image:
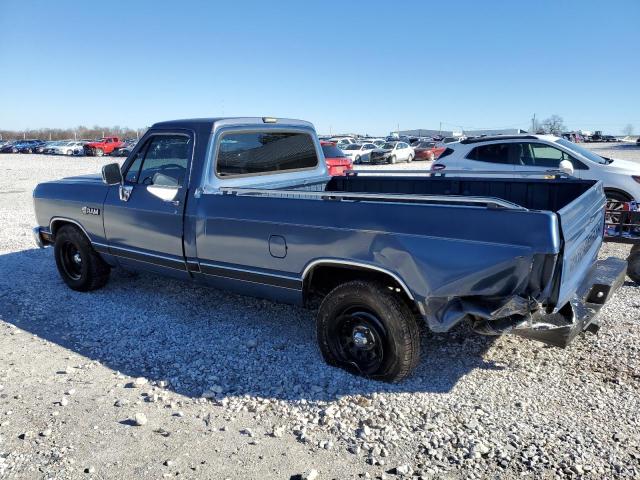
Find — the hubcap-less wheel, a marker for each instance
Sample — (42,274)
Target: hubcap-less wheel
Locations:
(71,260)
(359,339)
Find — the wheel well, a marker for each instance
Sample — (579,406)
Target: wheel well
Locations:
(58,223)
(619,192)
(321,279)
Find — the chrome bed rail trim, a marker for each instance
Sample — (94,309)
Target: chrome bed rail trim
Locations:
(490,202)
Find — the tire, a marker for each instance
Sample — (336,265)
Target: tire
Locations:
(80,267)
(614,197)
(69,152)
(357,160)
(409,159)
(633,267)
(368,330)
(99,152)
(392,159)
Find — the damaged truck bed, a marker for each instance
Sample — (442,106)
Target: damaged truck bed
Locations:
(527,266)
(246,204)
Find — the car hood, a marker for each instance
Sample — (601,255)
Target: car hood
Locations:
(90,178)
(623,165)
(382,150)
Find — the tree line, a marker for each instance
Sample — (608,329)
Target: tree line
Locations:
(77,133)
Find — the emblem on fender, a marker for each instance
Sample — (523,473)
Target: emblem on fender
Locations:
(90,210)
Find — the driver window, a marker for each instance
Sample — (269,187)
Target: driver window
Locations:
(165,161)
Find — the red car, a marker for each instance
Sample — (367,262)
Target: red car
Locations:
(104,146)
(428,151)
(337,162)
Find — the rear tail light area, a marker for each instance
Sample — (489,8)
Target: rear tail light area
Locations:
(636,178)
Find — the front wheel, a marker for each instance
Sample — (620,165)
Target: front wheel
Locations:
(356,160)
(369,330)
(392,160)
(99,152)
(80,267)
(615,202)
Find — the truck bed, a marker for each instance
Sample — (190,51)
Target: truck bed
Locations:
(532,194)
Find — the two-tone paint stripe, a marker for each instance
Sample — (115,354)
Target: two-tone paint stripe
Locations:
(206,268)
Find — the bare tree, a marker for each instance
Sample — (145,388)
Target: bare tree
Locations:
(554,125)
(628,129)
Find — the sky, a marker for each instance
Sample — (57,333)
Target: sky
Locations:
(347,66)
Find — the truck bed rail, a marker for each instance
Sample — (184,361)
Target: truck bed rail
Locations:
(488,202)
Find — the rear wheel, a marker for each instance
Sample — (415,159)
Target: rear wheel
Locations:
(368,330)
(80,267)
(69,152)
(633,264)
(99,152)
(410,159)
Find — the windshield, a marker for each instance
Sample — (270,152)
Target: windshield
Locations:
(426,144)
(352,147)
(582,151)
(388,146)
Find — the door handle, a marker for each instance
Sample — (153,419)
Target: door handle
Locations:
(175,203)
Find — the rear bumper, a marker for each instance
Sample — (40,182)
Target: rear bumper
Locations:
(580,312)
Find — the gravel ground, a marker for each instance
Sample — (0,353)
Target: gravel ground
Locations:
(151,378)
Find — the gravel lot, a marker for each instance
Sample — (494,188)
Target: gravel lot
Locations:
(151,378)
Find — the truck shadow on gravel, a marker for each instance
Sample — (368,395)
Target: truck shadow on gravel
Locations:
(200,339)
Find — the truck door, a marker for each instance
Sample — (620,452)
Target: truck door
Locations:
(143,217)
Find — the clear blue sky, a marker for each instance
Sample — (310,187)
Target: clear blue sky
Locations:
(345,66)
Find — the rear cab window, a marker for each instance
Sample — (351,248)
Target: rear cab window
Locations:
(264,152)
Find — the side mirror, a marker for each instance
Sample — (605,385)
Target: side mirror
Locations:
(111,174)
(567,167)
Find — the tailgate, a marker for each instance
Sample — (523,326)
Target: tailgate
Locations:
(582,227)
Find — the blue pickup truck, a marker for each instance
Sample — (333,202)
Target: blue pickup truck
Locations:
(245,204)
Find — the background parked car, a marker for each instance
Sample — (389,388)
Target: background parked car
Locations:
(126,149)
(392,152)
(29,146)
(72,147)
(621,178)
(337,162)
(428,151)
(104,146)
(359,153)
(11,147)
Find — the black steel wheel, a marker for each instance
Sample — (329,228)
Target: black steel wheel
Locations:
(79,265)
(368,329)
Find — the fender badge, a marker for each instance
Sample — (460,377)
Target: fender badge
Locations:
(90,211)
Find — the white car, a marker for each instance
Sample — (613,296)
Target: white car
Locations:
(342,141)
(358,153)
(392,152)
(620,178)
(69,148)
